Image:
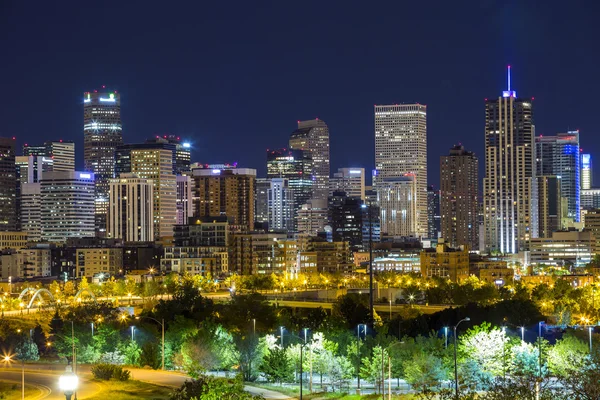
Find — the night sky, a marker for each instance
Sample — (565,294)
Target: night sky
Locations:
(234,77)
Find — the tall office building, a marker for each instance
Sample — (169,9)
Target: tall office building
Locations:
(227,192)
(261,201)
(349,180)
(434,224)
(8,185)
(280,205)
(184,199)
(31,168)
(157,164)
(587,176)
(312,136)
(397,199)
(549,205)
(102,133)
(130,210)
(297,167)
(346,218)
(62,154)
(181,152)
(459,190)
(508,186)
(31,210)
(66,205)
(312,217)
(559,156)
(401,148)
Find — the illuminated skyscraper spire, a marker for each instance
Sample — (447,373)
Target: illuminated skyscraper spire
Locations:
(509,78)
(508,92)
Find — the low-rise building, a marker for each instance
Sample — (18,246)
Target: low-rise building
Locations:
(402,263)
(564,248)
(445,262)
(497,272)
(198,260)
(13,240)
(97,260)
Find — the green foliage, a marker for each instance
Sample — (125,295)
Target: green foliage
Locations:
(424,371)
(486,346)
(131,353)
(208,388)
(371,367)
(151,355)
(109,371)
(277,366)
(582,383)
(567,355)
(352,309)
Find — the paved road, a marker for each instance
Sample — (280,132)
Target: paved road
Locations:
(45,378)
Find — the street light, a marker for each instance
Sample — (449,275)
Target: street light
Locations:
(455,362)
(281,333)
(9,359)
(522,334)
(591,329)
(446,336)
(358,351)
(68,383)
(162,326)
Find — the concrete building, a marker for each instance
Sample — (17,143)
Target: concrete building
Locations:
(401,149)
(346,219)
(255,253)
(459,184)
(508,187)
(397,199)
(157,164)
(62,154)
(31,210)
(280,205)
(102,133)
(434,217)
(312,136)
(131,205)
(445,262)
(227,192)
(12,240)
(261,202)
(31,168)
(592,225)
(67,205)
(96,260)
(590,198)
(196,260)
(8,185)
(564,248)
(202,232)
(587,175)
(349,180)
(185,199)
(312,217)
(559,155)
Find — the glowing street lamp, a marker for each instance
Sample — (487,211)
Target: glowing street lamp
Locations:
(9,359)
(455,362)
(68,383)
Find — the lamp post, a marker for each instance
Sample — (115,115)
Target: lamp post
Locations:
(522,334)
(358,357)
(590,329)
(162,327)
(68,383)
(281,335)
(390,309)
(8,359)
(455,362)
(446,337)
(538,381)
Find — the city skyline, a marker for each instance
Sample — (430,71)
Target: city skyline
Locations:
(189,104)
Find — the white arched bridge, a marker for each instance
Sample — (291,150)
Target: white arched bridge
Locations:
(45,293)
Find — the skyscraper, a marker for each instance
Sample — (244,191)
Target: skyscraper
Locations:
(157,164)
(558,155)
(130,212)
(8,185)
(349,180)
(312,136)
(62,154)
(508,186)
(181,152)
(280,205)
(549,205)
(102,133)
(458,201)
(261,201)
(586,172)
(401,148)
(227,192)
(434,226)
(66,205)
(184,199)
(346,218)
(397,198)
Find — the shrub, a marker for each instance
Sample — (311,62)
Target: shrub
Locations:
(108,371)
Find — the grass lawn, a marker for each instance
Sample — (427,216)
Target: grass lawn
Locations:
(130,390)
(294,392)
(12,390)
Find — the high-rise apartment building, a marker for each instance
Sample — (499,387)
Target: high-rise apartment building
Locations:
(400,149)
(227,192)
(559,156)
(31,168)
(261,201)
(181,152)
(102,133)
(346,218)
(312,136)
(587,177)
(184,199)
(66,205)
(312,217)
(62,154)
(130,210)
(397,199)
(8,185)
(157,164)
(280,205)
(549,205)
(349,180)
(459,184)
(31,210)
(508,186)
(434,223)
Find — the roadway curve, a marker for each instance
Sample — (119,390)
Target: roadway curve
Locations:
(45,378)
